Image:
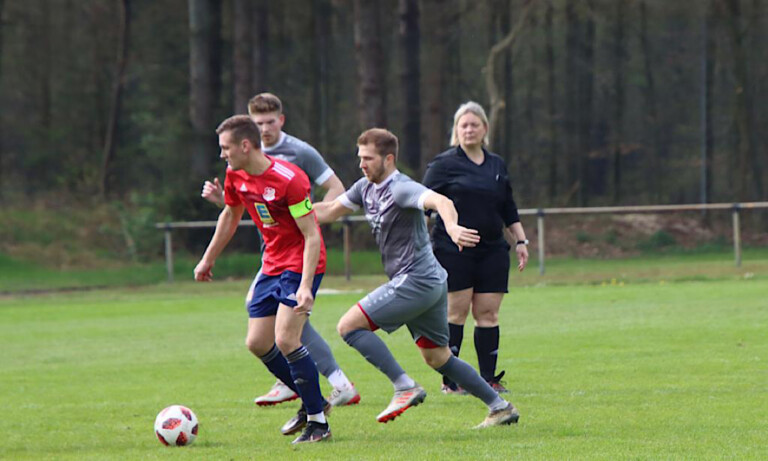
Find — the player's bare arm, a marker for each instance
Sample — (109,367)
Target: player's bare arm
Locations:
(229,219)
(516,229)
(333,187)
(312,243)
(461,236)
(328,212)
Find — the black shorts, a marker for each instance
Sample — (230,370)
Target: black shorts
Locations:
(486,271)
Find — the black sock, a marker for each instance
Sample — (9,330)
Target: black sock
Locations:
(454,343)
(487,347)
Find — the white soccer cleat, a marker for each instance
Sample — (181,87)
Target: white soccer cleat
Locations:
(507,415)
(346,396)
(401,401)
(278,394)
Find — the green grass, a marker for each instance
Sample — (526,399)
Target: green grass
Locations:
(16,276)
(634,371)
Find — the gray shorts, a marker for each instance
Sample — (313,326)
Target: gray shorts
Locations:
(418,303)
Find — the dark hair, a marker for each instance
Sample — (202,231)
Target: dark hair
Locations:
(265,103)
(242,127)
(384,141)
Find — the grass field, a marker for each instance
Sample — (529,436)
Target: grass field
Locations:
(637,368)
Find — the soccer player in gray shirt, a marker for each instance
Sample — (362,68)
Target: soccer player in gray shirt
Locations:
(266,110)
(416,294)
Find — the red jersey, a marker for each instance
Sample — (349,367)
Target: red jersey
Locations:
(272,199)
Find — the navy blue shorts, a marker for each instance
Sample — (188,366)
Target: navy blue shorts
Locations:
(269,291)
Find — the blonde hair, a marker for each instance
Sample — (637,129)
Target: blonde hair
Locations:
(470,107)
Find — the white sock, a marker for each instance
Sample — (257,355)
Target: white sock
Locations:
(498,404)
(404,382)
(339,380)
(318,418)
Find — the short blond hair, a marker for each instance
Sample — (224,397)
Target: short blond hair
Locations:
(470,107)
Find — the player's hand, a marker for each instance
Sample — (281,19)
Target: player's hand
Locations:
(213,192)
(522,256)
(203,271)
(462,236)
(304,301)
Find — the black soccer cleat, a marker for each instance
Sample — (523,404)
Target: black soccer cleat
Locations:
(314,432)
(298,422)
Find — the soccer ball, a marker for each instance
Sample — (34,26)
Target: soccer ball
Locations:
(176,425)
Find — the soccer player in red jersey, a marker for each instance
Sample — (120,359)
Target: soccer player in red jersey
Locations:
(276,195)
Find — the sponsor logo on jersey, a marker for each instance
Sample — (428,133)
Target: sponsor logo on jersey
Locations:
(263,212)
(269,194)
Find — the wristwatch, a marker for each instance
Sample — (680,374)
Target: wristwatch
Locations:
(522,242)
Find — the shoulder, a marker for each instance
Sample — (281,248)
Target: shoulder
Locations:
(446,156)
(495,158)
(299,146)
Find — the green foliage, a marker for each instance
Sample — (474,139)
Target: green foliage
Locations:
(583,237)
(615,372)
(657,241)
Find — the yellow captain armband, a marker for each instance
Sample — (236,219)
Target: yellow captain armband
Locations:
(300,209)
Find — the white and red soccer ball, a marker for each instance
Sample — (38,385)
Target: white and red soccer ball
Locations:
(176,426)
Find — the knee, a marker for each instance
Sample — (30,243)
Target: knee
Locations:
(257,348)
(487,319)
(287,344)
(436,357)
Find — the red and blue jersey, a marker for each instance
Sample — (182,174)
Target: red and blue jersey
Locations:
(274,199)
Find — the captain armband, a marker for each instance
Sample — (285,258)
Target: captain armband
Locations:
(300,209)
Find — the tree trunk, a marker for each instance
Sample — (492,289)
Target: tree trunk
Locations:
(709,93)
(2,119)
(371,91)
(241,55)
(321,25)
(410,78)
(551,97)
(749,168)
(618,85)
(657,149)
(110,139)
(494,95)
(260,41)
(201,87)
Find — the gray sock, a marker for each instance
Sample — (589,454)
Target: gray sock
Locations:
(375,351)
(319,350)
(465,376)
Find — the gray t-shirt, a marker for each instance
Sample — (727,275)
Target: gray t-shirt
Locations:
(394,209)
(301,154)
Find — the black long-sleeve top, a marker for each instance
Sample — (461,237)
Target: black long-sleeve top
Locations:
(481,193)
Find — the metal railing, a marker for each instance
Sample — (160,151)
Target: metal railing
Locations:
(540,214)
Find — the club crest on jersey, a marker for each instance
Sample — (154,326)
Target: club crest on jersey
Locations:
(263,212)
(269,194)
(243,188)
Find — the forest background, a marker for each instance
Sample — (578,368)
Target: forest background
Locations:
(108,108)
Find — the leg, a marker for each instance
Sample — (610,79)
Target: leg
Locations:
(288,329)
(485,310)
(356,331)
(459,371)
(260,340)
(458,309)
(344,392)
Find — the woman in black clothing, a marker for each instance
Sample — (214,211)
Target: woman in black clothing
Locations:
(477,182)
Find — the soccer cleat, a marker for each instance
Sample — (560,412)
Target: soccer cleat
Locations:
(496,384)
(401,401)
(507,415)
(455,390)
(314,432)
(278,394)
(346,396)
(298,422)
